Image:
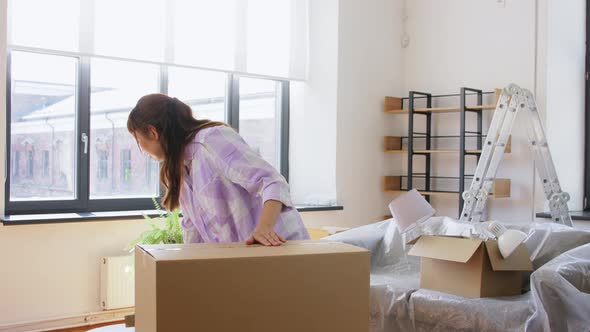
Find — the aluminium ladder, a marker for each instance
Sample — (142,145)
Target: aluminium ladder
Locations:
(512,100)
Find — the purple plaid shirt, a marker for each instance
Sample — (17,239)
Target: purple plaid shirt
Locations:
(225,186)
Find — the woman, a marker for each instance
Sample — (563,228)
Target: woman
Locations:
(226,191)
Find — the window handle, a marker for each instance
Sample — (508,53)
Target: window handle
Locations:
(85,141)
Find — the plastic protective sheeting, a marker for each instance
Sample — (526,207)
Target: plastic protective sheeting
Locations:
(549,240)
(367,236)
(559,300)
(562,286)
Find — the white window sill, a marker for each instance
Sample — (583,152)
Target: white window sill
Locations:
(26,219)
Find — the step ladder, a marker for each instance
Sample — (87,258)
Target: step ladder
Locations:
(513,100)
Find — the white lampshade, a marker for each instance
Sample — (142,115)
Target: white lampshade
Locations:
(508,239)
(410,209)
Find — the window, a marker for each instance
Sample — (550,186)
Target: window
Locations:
(30,164)
(103,164)
(259,117)
(265,29)
(72,83)
(40,28)
(140,36)
(47,105)
(45,164)
(126,166)
(16,164)
(117,86)
(210,23)
(151,175)
(42,107)
(259,110)
(203,91)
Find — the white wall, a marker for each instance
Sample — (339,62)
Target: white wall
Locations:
(477,44)
(565,67)
(369,68)
(53,270)
(313,112)
(560,88)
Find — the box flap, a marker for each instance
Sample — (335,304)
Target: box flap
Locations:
(239,249)
(445,248)
(141,248)
(519,260)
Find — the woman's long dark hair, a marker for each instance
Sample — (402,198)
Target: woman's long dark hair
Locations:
(176,127)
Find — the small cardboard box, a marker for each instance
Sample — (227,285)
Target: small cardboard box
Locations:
(468,267)
(299,286)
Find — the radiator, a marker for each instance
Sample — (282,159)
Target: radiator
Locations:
(117,282)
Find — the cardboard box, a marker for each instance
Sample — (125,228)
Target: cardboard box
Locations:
(468,267)
(299,286)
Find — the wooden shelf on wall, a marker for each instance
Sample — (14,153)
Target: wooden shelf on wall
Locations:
(434,151)
(393,144)
(394,105)
(393,184)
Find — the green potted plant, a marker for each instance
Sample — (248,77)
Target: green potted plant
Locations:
(165,228)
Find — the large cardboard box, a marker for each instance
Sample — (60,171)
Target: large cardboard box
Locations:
(469,267)
(299,286)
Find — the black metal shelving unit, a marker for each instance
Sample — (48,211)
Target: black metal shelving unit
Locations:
(413,135)
(462,130)
(428,136)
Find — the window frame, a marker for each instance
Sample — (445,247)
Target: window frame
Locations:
(82,203)
(587,116)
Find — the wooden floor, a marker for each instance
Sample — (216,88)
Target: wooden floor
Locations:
(87,328)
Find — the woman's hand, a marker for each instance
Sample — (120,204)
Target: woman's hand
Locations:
(266,235)
(264,232)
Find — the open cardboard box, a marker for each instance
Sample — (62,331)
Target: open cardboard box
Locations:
(298,286)
(469,267)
